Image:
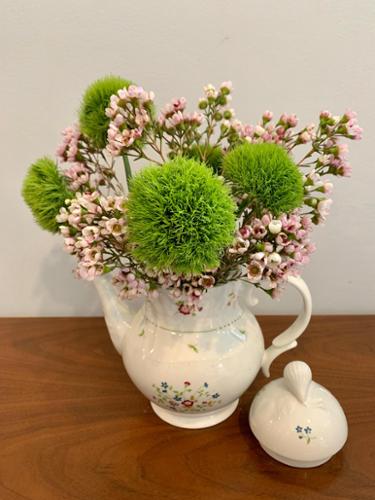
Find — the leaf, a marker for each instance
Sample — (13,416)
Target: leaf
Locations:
(141,334)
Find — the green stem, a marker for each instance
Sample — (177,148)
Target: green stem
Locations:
(128,170)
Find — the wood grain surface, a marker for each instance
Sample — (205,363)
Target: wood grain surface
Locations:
(73,426)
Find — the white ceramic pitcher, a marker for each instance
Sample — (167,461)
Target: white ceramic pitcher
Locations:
(193,369)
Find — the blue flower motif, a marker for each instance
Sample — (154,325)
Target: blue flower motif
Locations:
(298,428)
(216,395)
(164,385)
(307,430)
(205,384)
(177,398)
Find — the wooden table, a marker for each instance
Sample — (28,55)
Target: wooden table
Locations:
(72,425)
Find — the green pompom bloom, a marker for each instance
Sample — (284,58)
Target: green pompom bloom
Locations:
(45,191)
(267,174)
(92,118)
(180,216)
(213,156)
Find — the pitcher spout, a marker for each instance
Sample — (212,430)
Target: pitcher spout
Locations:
(118,314)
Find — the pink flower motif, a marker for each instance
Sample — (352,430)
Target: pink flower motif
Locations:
(184,309)
(188,403)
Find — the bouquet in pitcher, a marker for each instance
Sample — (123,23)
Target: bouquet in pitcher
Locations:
(217,200)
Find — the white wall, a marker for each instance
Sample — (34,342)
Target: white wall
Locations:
(294,55)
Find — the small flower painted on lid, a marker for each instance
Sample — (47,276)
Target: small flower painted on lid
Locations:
(304,433)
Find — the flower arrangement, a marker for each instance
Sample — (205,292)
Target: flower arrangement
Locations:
(219,201)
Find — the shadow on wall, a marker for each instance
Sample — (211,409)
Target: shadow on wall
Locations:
(58,293)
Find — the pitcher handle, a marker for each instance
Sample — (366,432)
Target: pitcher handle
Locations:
(287,339)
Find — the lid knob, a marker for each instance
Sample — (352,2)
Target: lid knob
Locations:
(298,377)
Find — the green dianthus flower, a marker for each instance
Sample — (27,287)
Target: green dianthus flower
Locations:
(93,121)
(267,174)
(180,216)
(45,191)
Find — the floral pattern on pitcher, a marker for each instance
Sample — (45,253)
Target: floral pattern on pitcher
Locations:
(185,399)
(304,433)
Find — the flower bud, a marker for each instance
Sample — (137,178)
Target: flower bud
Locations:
(274,259)
(202,104)
(226,87)
(222,100)
(275,226)
(267,116)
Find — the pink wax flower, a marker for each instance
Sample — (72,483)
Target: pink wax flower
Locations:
(323,208)
(68,149)
(292,120)
(258,230)
(267,116)
(210,91)
(228,86)
(254,271)
(328,187)
(282,239)
(77,175)
(245,232)
(130,114)
(325,114)
(266,248)
(90,233)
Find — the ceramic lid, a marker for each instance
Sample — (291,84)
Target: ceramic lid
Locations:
(297,420)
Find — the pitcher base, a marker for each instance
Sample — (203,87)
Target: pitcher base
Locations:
(195,420)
